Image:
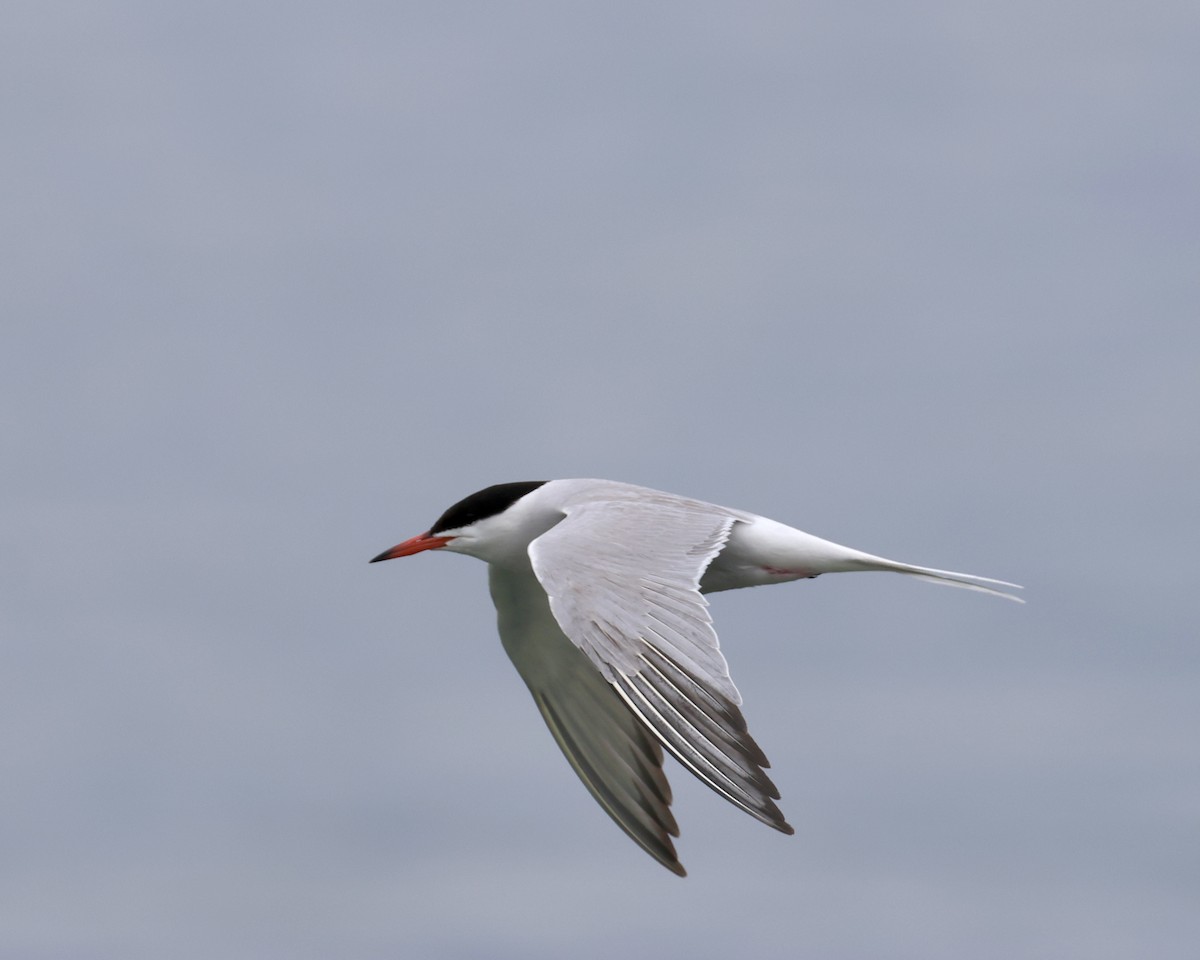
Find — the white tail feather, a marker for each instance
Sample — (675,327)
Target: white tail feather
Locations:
(946,578)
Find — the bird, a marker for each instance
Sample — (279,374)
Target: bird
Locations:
(599,588)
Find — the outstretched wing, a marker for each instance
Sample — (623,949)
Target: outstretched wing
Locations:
(622,577)
(616,758)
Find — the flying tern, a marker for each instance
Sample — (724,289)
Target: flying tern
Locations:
(598,588)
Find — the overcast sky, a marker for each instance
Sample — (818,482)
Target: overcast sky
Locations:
(281,281)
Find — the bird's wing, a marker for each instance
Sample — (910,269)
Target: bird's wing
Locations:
(617,759)
(622,576)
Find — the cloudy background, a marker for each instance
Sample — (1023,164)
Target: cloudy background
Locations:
(283,280)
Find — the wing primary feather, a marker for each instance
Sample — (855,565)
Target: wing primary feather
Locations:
(709,664)
(637,758)
(761,807)
(745,778)
(654,837)
(623,795)
(733,731)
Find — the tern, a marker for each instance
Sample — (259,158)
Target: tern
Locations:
(599,592)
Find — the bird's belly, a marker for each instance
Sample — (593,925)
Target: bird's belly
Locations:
(731,577)
(762,551)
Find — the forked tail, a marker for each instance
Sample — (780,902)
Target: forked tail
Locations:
(947,578)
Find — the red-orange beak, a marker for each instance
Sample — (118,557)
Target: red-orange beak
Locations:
(422,541)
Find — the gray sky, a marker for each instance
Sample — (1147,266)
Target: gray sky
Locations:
(283,281)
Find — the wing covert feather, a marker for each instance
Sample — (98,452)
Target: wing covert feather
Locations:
(617,570)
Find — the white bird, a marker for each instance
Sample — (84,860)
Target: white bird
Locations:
(598,590)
